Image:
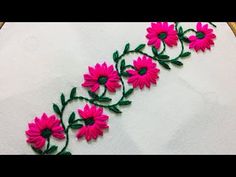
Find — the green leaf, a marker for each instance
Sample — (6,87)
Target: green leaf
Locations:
(56,109)
(186,54)
(71,118)
(129,92)
(116,56)
(73,93)
(127,46)
(115,109)
(181,31)
(104,99)
(93,95)
(166,66)
(185,39)
(125,74)
(154,51)
(122,103)
(65,153)
(38,151)
(163,57)
(178,63)
(122,65)
(140,47)
(63,102)
(76,126)
(51,150)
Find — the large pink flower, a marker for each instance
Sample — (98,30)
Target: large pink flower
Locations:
(145,73)
(42,129)
(102,75)
(161,32)
(95,122)
(203,39)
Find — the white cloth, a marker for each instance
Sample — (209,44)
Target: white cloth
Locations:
(190,111)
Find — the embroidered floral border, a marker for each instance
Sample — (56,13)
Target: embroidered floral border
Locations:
(90,121)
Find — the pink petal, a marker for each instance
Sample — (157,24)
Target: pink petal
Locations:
(95,87)
(58,135)
(81,132)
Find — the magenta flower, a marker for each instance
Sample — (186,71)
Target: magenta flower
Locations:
(95,122)
(102,75)
(42,129)
(145,73)
(161,32)
(203,39)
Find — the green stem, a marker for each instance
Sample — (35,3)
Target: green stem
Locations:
(189,30)
(129,66)
(212,24)
(48,145)
(104,92)
(67,141)
(176,26)
(164,48)
(63,124)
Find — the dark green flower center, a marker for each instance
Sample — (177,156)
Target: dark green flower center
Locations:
(200,35)
(142,71)
(89,121)
(162,35)
(102,80)
(46,133)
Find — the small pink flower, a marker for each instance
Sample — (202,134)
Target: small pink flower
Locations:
(162,32)
(102,75)
(42,129)
(145,73)
(203,39)
(95,122)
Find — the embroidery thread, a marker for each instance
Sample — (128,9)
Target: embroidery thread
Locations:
(111,78)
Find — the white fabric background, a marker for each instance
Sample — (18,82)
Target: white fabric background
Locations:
(190,111)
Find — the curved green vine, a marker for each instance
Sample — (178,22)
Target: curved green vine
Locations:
(102,100)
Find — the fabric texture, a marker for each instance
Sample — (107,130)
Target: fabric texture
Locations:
(37,71)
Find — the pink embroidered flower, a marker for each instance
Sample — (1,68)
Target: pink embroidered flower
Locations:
(102,75)
(42,129)
(95,122)
(203,39)
(162,32)
(145,73)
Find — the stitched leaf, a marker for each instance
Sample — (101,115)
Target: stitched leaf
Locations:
(73,93)
(71,118)
(115,109)
(154,51)
(104,99)
(93,95)
(122,103)
(116,56)
(140,47)
(51,150)
(56,109)
(122,65)
(127,46)
(76,126)
(178,63)
(129,92)
(163,57)
(63,102)
(125,74)
(65,153)
(166,66)
(38,151)
(186,54)
(180,31)
(185,39)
